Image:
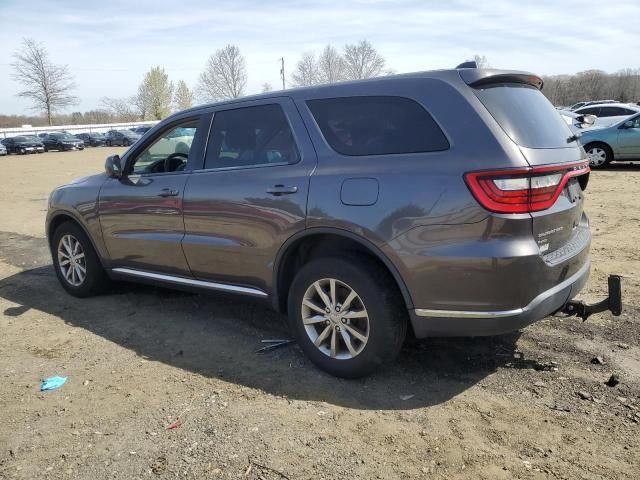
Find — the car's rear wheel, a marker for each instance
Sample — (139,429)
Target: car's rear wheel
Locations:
(599,155)
(76,263)
(346,315)
(125,142)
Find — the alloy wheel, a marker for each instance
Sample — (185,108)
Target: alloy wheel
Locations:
(72,260)
(335,319)
(597,156)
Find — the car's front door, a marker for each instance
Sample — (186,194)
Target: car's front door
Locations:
(250,195)
(629,139)
(141,212)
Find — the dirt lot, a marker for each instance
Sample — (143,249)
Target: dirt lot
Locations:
(526,405)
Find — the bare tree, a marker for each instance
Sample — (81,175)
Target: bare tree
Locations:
(362,61)
(267,87)
(47,85)
(155,95)
(481,61)
(121,108)
(183,97)
(306,72)
(331,66)
(224,76)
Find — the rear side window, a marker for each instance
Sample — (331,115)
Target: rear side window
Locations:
(611,111)
(590,111)
(251,136)
(377,126)
(525,115)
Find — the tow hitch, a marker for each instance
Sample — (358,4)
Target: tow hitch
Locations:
(613,302)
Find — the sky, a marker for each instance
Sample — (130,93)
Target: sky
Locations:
(109,45)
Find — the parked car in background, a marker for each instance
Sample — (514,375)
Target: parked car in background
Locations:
(576,121)
(608,113)
(141,130)
(23,144)
(62,141)
(3,150)
(92,139)
(618,142)
(122,138)
(447,202)
(575,106)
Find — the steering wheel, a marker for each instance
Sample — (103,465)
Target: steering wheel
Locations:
(182,157)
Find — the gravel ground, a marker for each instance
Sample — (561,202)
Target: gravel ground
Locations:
(525,405)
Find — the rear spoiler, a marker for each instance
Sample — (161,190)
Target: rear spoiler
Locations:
(475,77)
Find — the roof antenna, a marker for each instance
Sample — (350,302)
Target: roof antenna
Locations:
(469,64)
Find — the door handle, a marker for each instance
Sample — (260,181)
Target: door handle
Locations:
(278,190)
(167,192)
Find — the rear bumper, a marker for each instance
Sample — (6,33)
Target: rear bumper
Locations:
(453,323)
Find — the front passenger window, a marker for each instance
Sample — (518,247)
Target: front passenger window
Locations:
(169,152)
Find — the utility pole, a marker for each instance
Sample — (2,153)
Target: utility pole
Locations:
(282,71)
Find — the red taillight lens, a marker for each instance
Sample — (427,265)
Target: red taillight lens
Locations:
(522,190)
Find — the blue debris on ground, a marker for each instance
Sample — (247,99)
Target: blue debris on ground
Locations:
(52,383)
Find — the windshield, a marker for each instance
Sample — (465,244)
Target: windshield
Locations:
(525,115)
(21,139)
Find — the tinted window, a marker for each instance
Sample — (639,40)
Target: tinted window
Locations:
(525,115)
(377,126)
(611,111)
(589,111)
(250,136)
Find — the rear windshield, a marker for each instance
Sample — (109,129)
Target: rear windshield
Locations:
(377,125)
(525,115)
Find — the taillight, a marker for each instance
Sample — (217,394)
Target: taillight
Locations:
(524,189)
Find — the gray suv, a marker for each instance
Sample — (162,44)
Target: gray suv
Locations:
(441,203)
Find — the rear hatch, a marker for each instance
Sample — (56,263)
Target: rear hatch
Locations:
(558,172)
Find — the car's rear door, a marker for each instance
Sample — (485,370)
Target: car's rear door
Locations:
(141,212)
(250,195)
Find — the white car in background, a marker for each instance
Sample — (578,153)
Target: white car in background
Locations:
(577,121)
(609,113)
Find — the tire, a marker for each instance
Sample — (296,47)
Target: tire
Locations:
(600,155)
(376,295)
(46,149)
(125,142)
(95,279)
(108,143)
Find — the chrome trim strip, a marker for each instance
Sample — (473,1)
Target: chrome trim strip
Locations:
(427,312)
(191,281)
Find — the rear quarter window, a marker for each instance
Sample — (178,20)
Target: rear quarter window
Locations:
(380,125)
(525,115)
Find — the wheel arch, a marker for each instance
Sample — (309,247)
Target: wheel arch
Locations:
(65,216)
(308,243)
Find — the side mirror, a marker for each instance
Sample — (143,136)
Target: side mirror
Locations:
(628,124)
(113,167)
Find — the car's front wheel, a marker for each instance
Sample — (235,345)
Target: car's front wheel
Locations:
(346,315)
(599,155)
(76,263)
